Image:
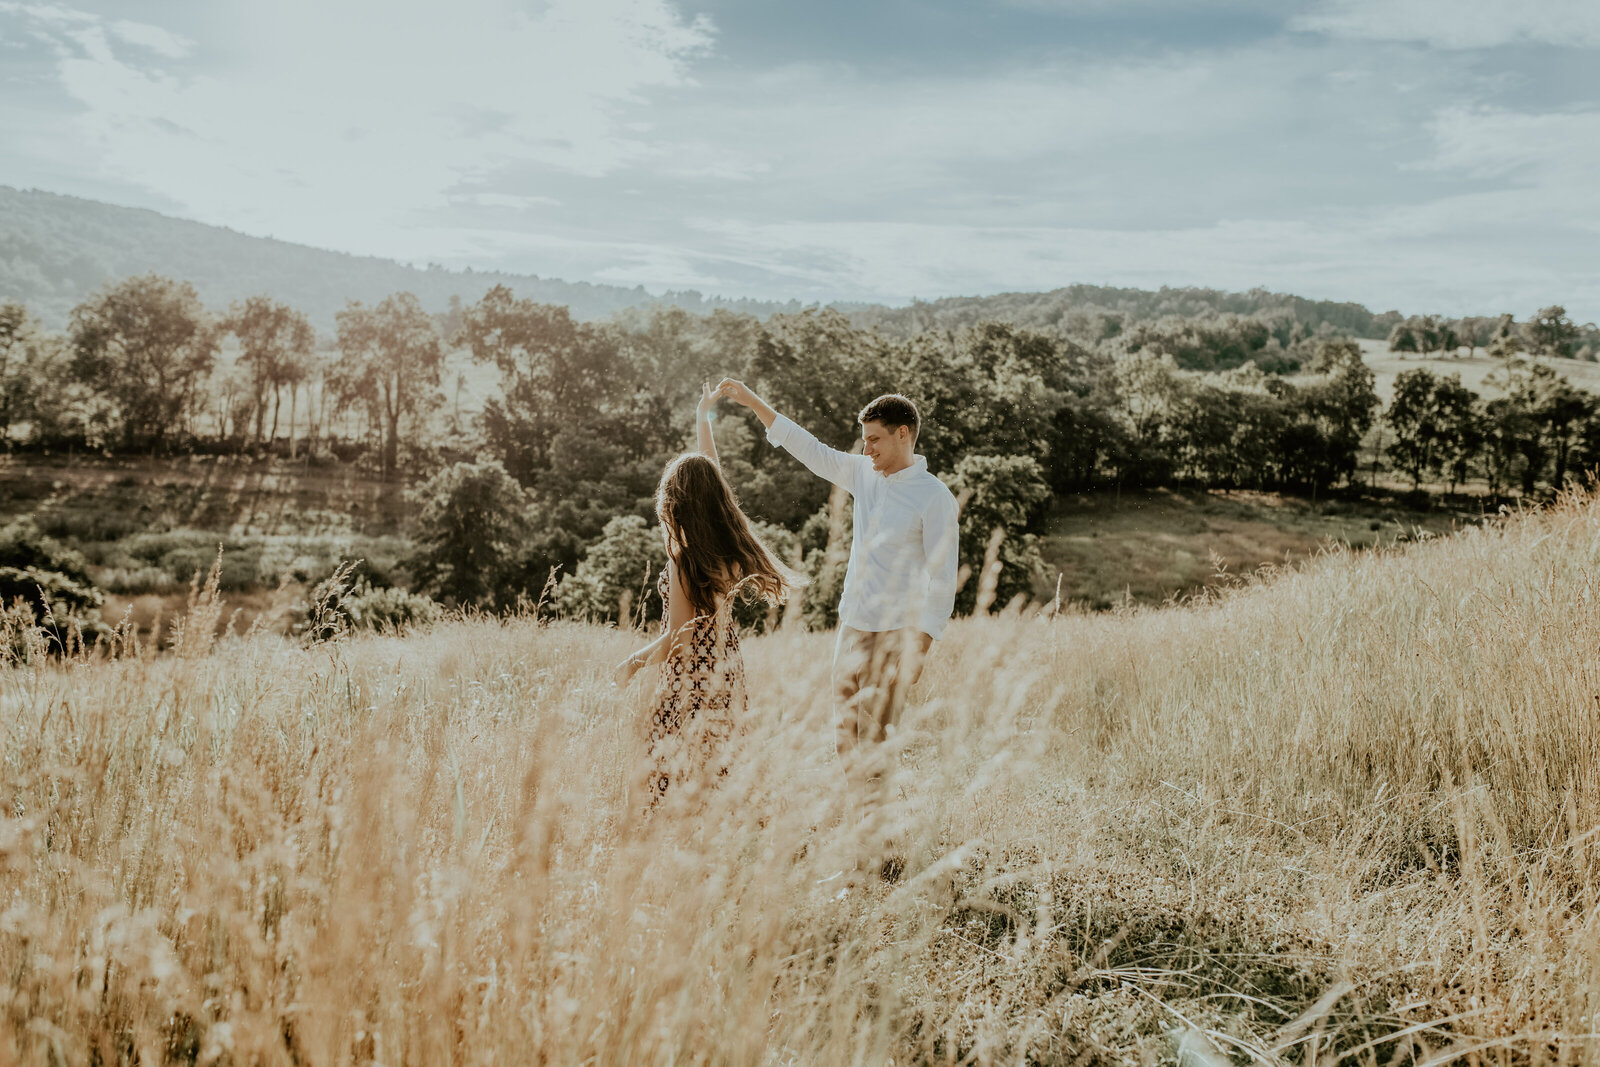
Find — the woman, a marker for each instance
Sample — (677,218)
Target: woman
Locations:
(712,556)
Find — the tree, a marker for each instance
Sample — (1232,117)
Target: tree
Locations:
(1504,427)
(1148,391)
(389,362)
(1504,340)
(618,573)
(1458,433)
(276,342)
(1558,413)
(573,421)
(1551,333)
(470,521)
(1403,338)
(1423,334)
(1412,417)
(1329,416)
(1002,493)
(143,346)
(33,382)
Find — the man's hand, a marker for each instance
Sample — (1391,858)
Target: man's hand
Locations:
(742,394)
(736,391)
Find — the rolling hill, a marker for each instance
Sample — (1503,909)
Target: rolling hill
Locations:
(56,250)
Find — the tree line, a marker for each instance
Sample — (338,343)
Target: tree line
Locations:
(557,470)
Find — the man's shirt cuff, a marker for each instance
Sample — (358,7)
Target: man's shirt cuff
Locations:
(778,432)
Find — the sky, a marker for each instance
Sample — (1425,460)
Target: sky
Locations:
(1426,155)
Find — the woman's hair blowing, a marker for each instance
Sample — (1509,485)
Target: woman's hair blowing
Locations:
(709,538)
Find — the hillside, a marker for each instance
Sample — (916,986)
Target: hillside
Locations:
(1344,815)
(1091,311)
(55,250)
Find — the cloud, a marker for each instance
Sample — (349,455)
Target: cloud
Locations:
(330,121)
(1458,24)
(153,38)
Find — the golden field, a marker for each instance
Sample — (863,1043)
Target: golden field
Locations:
(1345,813)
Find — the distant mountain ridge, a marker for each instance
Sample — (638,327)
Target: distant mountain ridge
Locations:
(55,250)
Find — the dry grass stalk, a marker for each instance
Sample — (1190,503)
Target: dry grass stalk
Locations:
(1346,812)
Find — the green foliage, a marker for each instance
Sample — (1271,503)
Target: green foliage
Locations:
(1004,494)
(573,421)
(1552,333)
(36,388)
(617,579)
(143,346)
(469,524)
(1091,314)
(1423,334)
(1220,342)
(276,343)
(389,363)
(345,602)
(48,581)
(1413,420)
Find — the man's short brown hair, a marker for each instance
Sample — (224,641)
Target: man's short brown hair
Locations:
(892,410)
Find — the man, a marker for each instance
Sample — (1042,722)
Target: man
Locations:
(900,586)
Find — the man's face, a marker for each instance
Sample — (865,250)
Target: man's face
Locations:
(888,448)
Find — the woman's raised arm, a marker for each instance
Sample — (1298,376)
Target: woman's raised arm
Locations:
(702,421)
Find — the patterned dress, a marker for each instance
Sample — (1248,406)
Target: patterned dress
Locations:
(698,708)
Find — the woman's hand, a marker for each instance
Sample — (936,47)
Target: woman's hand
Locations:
(708,401)
(625,671)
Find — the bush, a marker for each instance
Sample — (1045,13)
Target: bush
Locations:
(619,569)
(1003,493)
(49,581)
(471,518)
(343,603)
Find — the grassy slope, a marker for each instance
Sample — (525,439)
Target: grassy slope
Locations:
(1348,810)
(1150,545)
(147,525)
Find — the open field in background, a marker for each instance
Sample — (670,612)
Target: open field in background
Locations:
(1344,815)
(146,526)
(1150,545)
(1387,365)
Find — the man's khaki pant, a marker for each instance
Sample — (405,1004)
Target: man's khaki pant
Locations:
(871,673)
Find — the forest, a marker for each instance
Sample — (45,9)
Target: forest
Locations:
(543,489)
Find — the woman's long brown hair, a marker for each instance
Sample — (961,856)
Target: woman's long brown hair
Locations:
(709,538)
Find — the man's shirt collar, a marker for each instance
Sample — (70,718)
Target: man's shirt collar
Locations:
(918,465)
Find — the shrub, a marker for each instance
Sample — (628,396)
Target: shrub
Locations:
(344,603)
(1003,493)
(619,568)
(471,518)
(50,581)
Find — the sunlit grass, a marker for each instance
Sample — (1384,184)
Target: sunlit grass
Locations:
(1349,810)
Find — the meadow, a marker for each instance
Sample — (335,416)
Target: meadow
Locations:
(1345,812)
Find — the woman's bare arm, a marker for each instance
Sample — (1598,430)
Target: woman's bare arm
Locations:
(702,417)
(679,615)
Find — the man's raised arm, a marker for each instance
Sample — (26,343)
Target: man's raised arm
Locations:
(840,468)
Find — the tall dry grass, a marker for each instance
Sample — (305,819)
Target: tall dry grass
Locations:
(1347,814)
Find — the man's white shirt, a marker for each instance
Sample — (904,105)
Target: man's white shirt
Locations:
(903,551)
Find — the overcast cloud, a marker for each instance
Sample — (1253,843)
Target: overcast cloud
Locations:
(1422,154)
